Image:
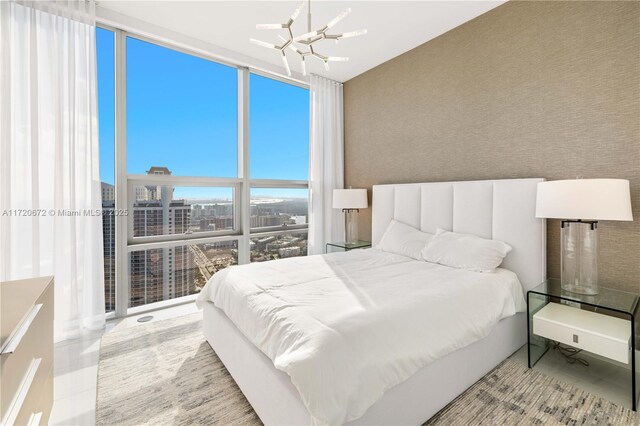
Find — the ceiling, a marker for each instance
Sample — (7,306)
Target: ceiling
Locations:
(394,27)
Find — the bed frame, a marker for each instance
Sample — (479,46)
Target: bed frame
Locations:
(499,209)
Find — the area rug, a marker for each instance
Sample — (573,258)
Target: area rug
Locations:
(165,373)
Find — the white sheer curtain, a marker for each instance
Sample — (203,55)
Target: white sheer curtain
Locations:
(49,168)
(326,163)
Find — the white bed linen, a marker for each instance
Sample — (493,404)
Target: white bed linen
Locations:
(348,326)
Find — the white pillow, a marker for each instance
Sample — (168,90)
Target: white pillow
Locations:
(465,251)
(403,239)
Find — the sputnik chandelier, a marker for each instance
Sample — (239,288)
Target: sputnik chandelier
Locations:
(308,39)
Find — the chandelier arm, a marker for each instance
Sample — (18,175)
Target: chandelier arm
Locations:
(290,45)
(352,34)
(306,36)
(321,57)
(270,26)
(263,43)
(307,39)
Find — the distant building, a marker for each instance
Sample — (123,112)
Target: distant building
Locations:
(155,170)
(299,220)
(215,223)
(270,220)
(157,192)
(161,274)
(108,192)
(109,252)
(142,194)
(289,252)
(155,274)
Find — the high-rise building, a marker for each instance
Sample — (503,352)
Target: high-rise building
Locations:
(141,193)
(155,274)
(215,223)
(299,220)
(108,192)
(167,273)
(109,246)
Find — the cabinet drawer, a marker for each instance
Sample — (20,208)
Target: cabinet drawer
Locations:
(36,406)
(600,334)
(36,343)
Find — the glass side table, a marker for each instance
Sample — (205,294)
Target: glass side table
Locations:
(343,246)
(609,302)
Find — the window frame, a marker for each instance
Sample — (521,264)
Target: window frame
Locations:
(177,181)
(128,34)
(241,185)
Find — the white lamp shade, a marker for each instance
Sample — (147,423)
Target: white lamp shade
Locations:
(588,199)
(350,199)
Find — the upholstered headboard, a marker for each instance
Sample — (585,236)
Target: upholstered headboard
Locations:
(498,209)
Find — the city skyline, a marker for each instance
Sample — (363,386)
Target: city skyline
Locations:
(202,194)
(176,271)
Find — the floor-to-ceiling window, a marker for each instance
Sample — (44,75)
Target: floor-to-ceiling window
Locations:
(204,165)
(279,168)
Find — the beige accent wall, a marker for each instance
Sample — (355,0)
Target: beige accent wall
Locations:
(529,89)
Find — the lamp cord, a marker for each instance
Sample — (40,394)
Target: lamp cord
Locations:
(570,353)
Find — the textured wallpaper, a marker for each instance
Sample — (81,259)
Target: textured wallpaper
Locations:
(529,89)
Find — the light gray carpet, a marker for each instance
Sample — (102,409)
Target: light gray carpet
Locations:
(513,394)
(165,373)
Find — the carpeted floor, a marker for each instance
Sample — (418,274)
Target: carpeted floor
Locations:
(165,373)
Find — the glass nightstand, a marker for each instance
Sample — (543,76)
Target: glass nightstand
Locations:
(343,246)
(604,324)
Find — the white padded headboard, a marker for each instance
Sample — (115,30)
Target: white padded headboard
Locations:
(498,209)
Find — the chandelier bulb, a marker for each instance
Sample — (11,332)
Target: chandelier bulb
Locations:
(286,64)
(296,12)
(338,18)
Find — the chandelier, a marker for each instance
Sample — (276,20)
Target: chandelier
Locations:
(306,40)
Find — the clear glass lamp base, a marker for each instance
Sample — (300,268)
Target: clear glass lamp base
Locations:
(351,225)
(579,257)
(580,289)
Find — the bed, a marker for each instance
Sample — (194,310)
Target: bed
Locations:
(409,392)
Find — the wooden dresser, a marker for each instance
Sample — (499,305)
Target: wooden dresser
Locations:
(26,348)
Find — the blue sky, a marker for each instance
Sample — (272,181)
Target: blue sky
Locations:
(182,114)
(106,106)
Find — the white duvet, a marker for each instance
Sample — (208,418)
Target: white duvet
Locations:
(348,326)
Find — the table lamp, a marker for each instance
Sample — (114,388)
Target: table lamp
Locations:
(350,201)
(581,203)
